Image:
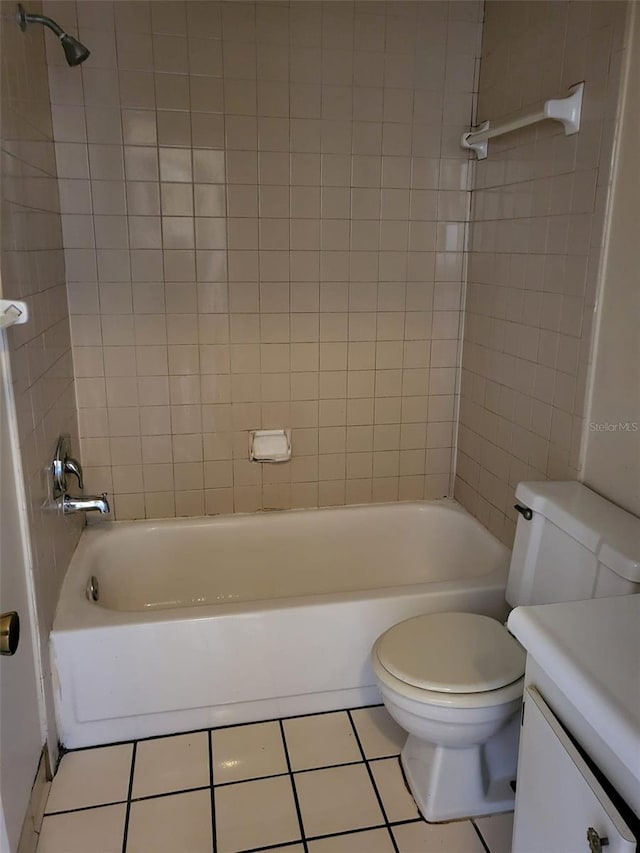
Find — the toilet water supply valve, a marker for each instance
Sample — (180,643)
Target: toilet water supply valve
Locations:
(596,841)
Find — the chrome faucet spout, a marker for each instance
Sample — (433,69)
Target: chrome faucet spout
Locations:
(87,504)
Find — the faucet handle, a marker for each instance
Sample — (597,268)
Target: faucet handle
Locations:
(72,466)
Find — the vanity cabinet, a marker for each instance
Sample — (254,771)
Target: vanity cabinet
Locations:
(561,807)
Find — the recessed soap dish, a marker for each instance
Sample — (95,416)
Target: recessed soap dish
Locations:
(270,445)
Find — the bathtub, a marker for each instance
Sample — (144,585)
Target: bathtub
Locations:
(214,621)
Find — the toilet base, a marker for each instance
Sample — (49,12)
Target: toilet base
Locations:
(449,783)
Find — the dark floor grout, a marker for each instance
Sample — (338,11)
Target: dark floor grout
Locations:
(298,841)
(86,808)
(213,785)
(125,836)
(372,780)
(326,835)
(214,838)
(293,786)
(480,836)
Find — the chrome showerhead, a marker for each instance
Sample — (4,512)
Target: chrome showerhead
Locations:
(75,51)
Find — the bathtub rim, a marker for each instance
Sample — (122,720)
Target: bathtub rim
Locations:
(75,612)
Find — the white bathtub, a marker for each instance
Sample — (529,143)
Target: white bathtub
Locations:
(214,621)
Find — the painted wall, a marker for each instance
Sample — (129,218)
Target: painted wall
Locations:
(263,213)
(538,206)
(32,268)
(612,431)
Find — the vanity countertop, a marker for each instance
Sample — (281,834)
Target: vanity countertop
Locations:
(591,650)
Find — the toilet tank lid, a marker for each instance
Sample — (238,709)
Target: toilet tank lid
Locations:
(611,533)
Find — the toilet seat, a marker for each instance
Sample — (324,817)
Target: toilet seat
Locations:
(446,706)
(451,653)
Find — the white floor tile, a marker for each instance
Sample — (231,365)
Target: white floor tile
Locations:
(379,734)
(370,841)
(247,752)
(171,764)
(497,831)
(91,777)
(255,814)
(337,800)
(456,837)
(180,822)
(396,798)
(321,740)
(99,830)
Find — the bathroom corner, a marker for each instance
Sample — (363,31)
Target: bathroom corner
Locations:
(40,356)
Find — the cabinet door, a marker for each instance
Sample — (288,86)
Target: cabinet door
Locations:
(558,799)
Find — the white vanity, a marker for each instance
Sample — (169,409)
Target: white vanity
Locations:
(578,783)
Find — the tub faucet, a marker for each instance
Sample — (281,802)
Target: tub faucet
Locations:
(71,504)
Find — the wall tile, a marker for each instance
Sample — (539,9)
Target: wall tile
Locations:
(32,263)
(260,193)
(535,233)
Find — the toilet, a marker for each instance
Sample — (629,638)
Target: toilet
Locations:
(454,681)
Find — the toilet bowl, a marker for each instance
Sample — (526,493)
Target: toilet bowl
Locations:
(454,682)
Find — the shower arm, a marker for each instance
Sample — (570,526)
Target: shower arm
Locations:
(25,18)
(74,50)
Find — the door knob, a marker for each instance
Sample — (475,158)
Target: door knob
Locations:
(9,633)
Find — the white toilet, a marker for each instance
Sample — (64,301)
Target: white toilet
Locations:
(454,681)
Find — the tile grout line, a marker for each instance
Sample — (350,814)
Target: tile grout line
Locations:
(125,836)
(214,839)
(372,780)
(480,836)
(410,820)
(86,808)
(293,786)
(250,779)
(181,791)
(219,728)
(342,832)
(326,766)
(304,840)
(404,779)
(159,796)
(178,791)
(322,837)
(271,847)
(387,824)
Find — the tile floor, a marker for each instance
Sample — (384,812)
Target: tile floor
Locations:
(325,783)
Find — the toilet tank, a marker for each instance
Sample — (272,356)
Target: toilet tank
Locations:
(576,545)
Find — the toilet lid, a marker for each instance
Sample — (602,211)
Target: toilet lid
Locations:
(451,653)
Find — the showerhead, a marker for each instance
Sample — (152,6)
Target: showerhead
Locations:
(75,51)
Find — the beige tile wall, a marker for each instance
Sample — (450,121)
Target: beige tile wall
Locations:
(264,209)
(32,268)
(537,227)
